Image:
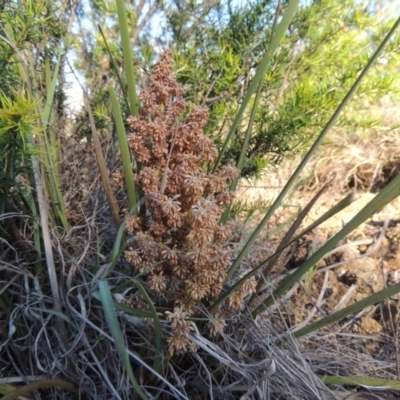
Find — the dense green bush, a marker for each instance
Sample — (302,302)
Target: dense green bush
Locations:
(217,49)
(31,33)
(325,48)
(179,263)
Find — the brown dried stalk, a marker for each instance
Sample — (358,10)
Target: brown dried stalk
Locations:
(182,226)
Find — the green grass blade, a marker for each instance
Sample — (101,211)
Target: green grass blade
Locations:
(246,248)
(282,226)
(111,317)
(373,383)
(7,388)
(117,249)
(123,145)
(47,245)
(389,193)
(247,137)
(58,200)
(128,58)
(289,236)
(126,309)
(330,213)
(350,310)
(51,131)
(29,75)
(113,63)
(28,198)
(243,153)
(58,314)
(22,391)
(340,206)
(241,281)
(265,62)
(51,92)
(158,358)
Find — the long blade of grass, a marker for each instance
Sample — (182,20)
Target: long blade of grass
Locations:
(249,131)
(58,202)
(350,310)
(48,248)
(126,309)
(241,281)
(139,360)
(123,145)
(330,213)
(60,315)
(28,198)
(389,193)
(366,381)
(247,137)
(340,206)
(52,136)
(128,58)
(288,236)
(246,248)
(44,384)
(111,317)
(51,92)
(101,163)
(117,249)
(266,60)
(158,358)
(243,152)
(115,68)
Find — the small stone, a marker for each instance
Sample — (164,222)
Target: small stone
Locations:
(368,326)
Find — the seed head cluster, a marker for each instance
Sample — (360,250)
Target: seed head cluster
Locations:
(179,246)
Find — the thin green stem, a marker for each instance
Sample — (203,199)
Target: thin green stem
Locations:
(128,58)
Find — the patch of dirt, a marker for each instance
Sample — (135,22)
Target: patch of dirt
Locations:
(364,264)
(368,262)
(372,177)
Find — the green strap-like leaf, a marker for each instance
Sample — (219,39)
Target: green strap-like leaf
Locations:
(158,358)
(115,68)
(123,145)
(340,206)
(350,310)
(299,169)
(128,58)
(243,152)
(111,317)
(389,193)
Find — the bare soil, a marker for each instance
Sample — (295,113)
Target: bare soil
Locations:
(365,263)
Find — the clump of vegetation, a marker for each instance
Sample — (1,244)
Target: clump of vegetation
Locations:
(188,279)
(217,48)
(179,245)
(320,56)
(31,111)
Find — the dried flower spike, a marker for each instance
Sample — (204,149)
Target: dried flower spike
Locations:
(181,232)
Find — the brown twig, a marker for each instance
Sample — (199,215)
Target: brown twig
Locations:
(44,220)
(47,383)
(112,201)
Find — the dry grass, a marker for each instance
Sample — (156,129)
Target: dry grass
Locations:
(361,161)
(251,359)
